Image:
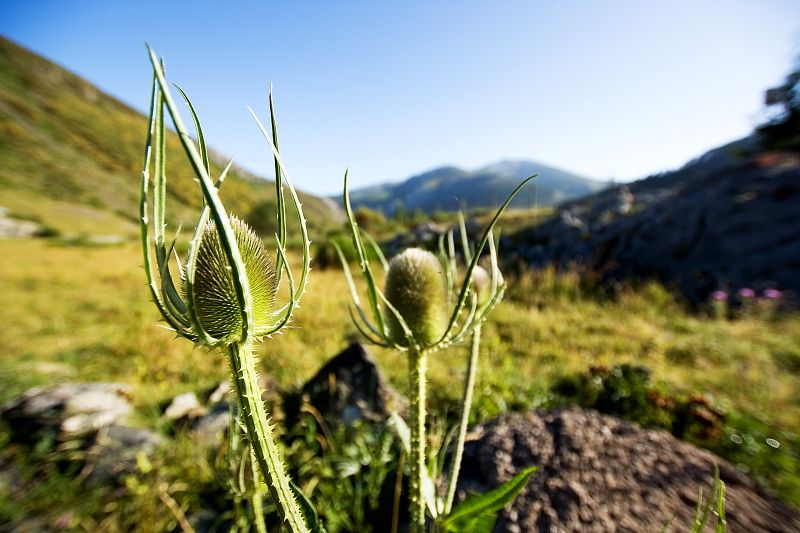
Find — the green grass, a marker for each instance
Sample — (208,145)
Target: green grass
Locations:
(82,313)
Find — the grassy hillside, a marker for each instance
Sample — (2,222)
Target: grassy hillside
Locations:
(71,156)
(452,188)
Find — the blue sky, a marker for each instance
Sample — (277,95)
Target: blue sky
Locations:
(607,89)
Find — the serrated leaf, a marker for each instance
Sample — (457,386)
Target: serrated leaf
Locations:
(308,510)
(476,510)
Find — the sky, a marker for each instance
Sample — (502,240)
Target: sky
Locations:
(610,90)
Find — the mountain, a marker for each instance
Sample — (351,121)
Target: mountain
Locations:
(450,188)
(725,221)
(71,157)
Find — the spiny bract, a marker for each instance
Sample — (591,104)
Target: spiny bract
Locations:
(415,287)
(215,300)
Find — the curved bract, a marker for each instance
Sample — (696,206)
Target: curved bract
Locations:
(420,308)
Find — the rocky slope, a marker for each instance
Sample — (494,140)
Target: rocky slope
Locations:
(725,221)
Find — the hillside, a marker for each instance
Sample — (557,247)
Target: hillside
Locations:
(71,157)
(726,220)
(451,188)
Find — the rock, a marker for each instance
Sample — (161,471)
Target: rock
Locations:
(11,227)
(218,393)
(350,387)
(210,429)
(424,234)
(66,411)
(599,473)
(184,407)
(114,453)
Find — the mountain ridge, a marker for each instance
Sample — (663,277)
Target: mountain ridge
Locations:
(449,188)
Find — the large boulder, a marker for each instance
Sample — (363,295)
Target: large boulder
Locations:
(599,473)
(350,387)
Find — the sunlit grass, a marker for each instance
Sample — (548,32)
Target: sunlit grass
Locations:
(82,313)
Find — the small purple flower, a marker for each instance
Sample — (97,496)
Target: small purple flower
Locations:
(772,294)
(747,292)
(719,295)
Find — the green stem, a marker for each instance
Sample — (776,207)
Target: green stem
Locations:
(416,377)
(259,431)
(256,497)
(466,405)
(257,503)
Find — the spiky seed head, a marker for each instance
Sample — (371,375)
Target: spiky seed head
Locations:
(415,287)
(215,300)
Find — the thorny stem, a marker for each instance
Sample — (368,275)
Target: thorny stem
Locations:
(259,431)
(417,364)
(466,404)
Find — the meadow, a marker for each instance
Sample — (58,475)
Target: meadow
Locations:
(75,312)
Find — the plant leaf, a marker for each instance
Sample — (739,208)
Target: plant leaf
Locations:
(402,430)
(201,141)
(474,509)
(476,255)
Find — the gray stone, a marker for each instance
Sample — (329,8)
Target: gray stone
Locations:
(184,406)
(218,393)
(599,473)
(66,411)
(11,227)
(114,453)
(350,387)
(211,428)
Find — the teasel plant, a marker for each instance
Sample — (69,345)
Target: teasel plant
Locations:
(421,311)
(225,296)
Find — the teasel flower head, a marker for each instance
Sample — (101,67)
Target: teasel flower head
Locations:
(421,309)
(225,290)
(215,299)
(415,287)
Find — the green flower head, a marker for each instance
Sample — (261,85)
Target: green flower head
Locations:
(415,287)
(215,300)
